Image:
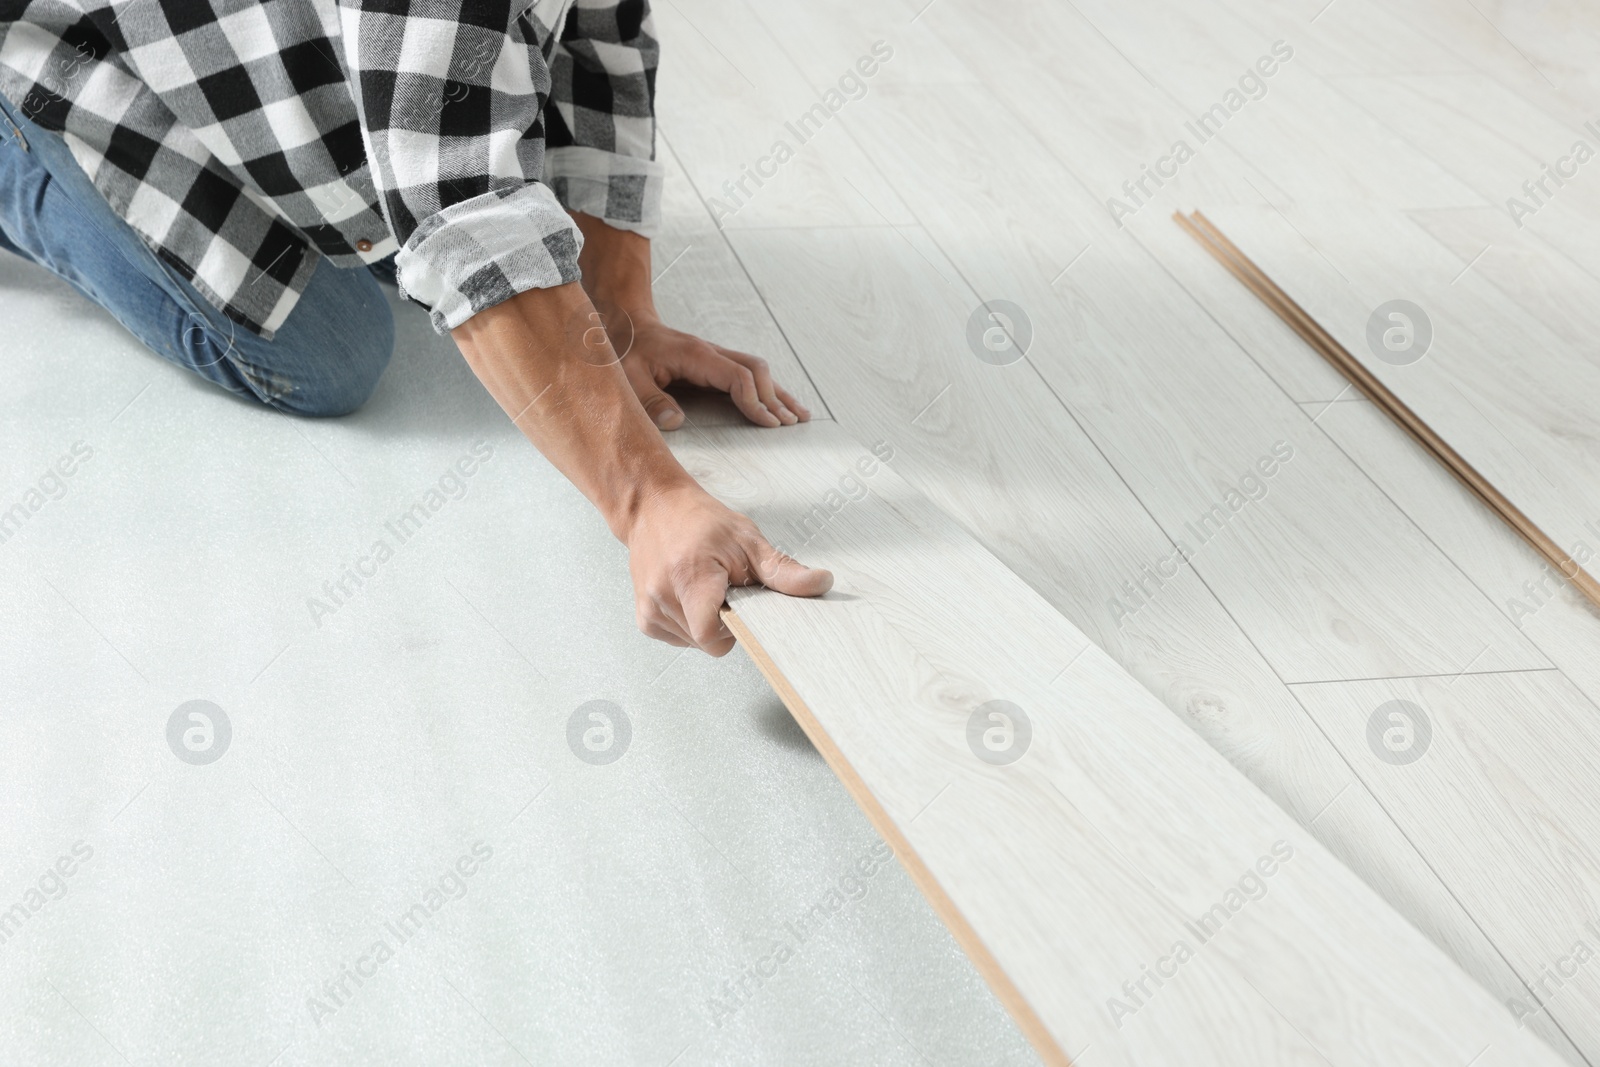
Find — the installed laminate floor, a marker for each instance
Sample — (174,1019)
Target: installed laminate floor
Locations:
(1510,395)
(999,453)
(1095,829)
(1153,373)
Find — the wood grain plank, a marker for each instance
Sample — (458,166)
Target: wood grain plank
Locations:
(1490,776)
(1434,113)
(1087,855)
(1400,37)
(1266,339)
(824,39)
(1530,592)
(1199,51)
(1527,268)
(1353,37)
(1504,391)
(1325,575)
(1077,92)
(1540,51)
(881,326)
(1107,125)
(1387,400)
(1503,147)
(699,287)
(718,50)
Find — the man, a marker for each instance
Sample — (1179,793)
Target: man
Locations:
(226,178)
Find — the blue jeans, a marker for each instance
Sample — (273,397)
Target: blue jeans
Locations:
(324,360)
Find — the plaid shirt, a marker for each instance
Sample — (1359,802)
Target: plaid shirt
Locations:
(244,141)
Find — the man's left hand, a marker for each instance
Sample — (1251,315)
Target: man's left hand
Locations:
(660,355)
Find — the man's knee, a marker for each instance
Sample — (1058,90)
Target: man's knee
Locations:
(341,372)
(354,368)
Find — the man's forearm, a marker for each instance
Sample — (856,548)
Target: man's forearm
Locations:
(616,268)
(542,358)
(545,355)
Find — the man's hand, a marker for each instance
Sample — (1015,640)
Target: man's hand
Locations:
(660,355)
(685,549)
(616,275)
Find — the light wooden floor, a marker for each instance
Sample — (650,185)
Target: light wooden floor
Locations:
(1105,844)
(978,166)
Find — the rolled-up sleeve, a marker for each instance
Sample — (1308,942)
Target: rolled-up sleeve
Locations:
(451,97)
(600,120)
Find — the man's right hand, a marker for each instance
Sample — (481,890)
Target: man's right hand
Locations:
(685,549)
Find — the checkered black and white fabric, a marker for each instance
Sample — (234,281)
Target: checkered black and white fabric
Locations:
(247,140)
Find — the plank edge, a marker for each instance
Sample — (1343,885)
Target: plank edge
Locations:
(1386,400)
(1010,996)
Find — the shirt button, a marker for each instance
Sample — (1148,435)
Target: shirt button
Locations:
(363,245)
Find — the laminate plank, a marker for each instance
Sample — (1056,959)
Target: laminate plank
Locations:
(1358,36)
(1572,232)
(880,325)
(1181,412)
(718,50)
(700,287)
(1200,51)
(1266,339)
(1564,218)
(1345,154)
(1555,44)
(1402,37)
(1503,147)
(1069,866)
(1490,774)
(825,39)
(1540,278)
(1491,156)
(1533,595)
(1106,121)
(1505,391)
(1106,125)
(1475,33)
(1373,389)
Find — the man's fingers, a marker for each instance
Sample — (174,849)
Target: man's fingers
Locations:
(651,627)
(702,602)
(745,378)
(713,370)
(741,386)
(786,574)
(720,647)
(667,637)
(670,615)
(661,408)
(692,615)
(659,617)
(765,386)
(801,411)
